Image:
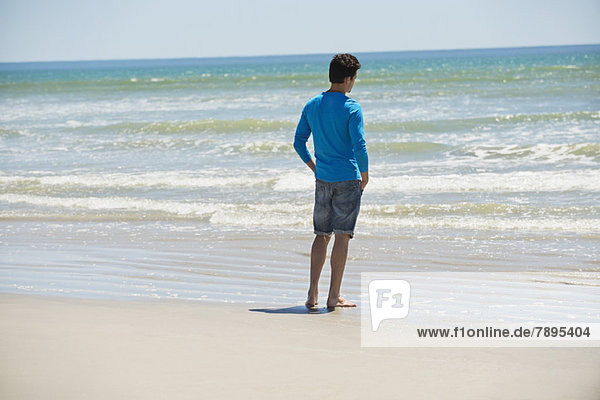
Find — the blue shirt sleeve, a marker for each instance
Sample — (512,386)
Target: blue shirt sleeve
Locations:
(357,137)
(301,137)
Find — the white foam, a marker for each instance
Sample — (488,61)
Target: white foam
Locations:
(289,214)
(542,153)
(487,223)
(296,181)
(520,181)
(167,179)
(124,204)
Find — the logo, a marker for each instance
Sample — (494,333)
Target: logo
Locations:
(388,299)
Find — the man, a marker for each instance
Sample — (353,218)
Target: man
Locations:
(341,170)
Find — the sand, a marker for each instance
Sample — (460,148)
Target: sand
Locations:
(63,348)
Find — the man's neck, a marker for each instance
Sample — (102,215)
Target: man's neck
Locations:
(338,88)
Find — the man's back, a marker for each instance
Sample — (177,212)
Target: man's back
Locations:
(341,172)
(336,123)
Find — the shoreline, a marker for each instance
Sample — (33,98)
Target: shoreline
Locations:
(57,347)
(187,261)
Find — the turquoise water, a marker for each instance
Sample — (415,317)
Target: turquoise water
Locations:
(497,147)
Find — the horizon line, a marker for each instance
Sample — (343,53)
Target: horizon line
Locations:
(293,54)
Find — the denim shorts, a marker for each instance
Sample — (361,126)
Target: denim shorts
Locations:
(336,207)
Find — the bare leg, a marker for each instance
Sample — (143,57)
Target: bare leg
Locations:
(318,254)
(339,254)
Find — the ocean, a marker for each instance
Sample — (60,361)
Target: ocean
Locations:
(177,178)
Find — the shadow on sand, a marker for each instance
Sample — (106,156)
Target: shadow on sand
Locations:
(291,310)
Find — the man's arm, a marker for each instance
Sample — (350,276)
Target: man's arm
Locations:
(357,136)
(364,176)
(311,165)
(300,138)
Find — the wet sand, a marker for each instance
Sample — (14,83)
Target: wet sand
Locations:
(56,347)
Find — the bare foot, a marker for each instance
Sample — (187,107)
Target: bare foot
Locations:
(312,302)
(340,302)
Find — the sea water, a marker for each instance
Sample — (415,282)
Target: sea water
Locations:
(177,178)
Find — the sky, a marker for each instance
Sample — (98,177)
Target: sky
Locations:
(57,30)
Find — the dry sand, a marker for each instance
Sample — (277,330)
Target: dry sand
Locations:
(57,348)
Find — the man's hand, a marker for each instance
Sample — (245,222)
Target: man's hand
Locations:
(364,176)
(311,165)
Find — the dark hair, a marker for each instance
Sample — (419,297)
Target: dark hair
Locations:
(341,66)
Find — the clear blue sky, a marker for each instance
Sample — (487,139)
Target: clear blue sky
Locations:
(43,30)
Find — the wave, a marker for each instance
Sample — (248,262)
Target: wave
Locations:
(292,181)
(512,182)
(257,125)
(422,82)
(198,126)
(258,147)
(458,74)
(206,146)
(551,153)
(469,124)
(509,182)
(121,205)
(539,152)
(289,214)
(134,82)
(11,132)
(155,143)
(571,225)
(406,147)
(465,208)
(175,179)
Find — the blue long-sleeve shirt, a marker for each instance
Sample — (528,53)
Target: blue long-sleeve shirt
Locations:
(336,123)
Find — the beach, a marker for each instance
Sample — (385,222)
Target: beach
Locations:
(202,315)
(156,223)
(56,347)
